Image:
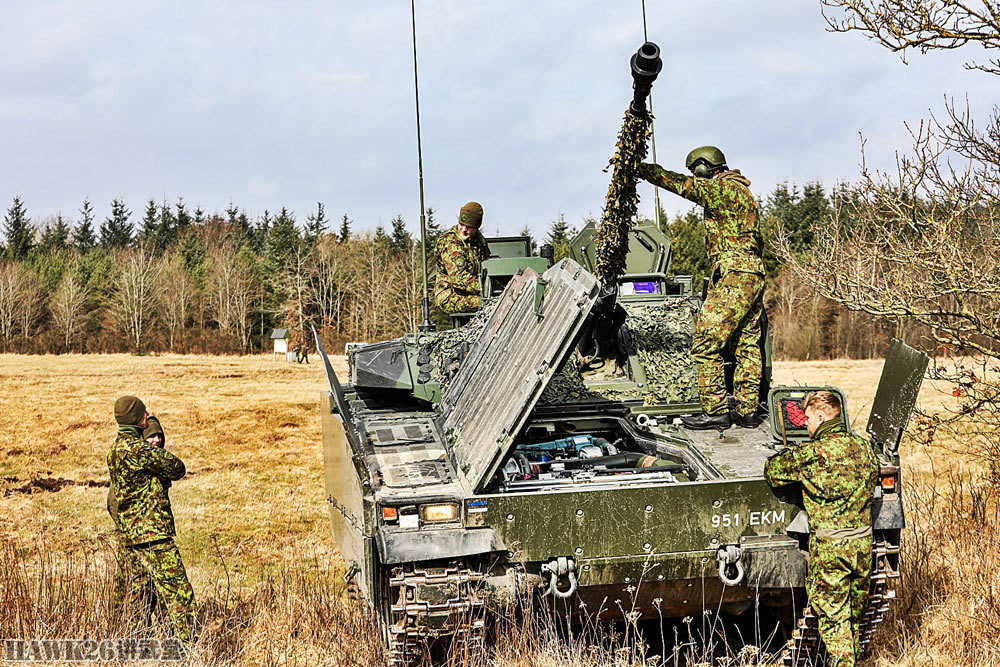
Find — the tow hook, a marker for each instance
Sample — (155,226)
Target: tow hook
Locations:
(555,571)
(731,570)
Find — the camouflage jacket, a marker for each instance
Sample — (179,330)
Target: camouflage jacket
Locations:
(734,241)
(838,471)
(139,471)
(458,262)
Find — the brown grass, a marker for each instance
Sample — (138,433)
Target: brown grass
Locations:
(253,531)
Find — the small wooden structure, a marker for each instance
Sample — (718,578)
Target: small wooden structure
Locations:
(280,338)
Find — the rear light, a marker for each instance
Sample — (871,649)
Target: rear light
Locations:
(438,512)
(888,479)
(389,514)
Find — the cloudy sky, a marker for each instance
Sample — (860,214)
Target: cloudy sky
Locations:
(269,104)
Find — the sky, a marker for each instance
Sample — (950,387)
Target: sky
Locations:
(269,104)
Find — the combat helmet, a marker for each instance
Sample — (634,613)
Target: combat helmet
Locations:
(705,160)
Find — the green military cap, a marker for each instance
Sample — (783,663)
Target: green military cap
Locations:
(153,428)
(471,215)
(129,410)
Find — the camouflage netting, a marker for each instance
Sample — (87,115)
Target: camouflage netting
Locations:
(446,346)
(661,334)
(622,200)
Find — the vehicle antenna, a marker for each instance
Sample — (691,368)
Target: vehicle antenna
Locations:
(425,302)
(652,133)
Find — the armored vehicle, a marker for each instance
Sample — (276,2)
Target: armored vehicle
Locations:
(537,449)
(441,500)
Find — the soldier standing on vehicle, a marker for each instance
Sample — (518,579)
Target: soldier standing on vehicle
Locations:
(838,472)
(459,255)
(732,311)
(140,474)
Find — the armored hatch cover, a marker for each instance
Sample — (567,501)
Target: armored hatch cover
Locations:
(510,364)
(896,396)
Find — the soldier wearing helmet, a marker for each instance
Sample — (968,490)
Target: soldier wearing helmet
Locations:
(459,255)
(730,317)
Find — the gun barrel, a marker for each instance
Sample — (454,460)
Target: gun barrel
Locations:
(646,65)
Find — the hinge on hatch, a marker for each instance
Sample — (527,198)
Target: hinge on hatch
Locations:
(540,286)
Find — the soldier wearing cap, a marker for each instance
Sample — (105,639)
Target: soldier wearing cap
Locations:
(731,315)
(459,255)
(141,472)
(838,471)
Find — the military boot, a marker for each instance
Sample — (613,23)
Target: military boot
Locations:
(751,420)
(704,422)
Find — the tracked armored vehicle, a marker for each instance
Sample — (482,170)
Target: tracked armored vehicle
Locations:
(537,451)
(603,502)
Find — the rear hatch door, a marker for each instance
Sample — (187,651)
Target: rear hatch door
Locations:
(519,350)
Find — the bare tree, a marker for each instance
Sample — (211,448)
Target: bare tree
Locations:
(133,294)
(32,304)
(295,282)
(327,281)
(924,25)
(176,290)
(11,286)
(68,306)
(232,289)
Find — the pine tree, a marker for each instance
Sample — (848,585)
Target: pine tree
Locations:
(244,232)
(148,229)
(381,238)
(532,244)
(83,236)
(261,231)
(315,224)
(432,228)
(17,227)
(282,238)
(199,215)
(687,243)
(345,229)
(400,239)
(559,237)
(56,235)
(166,228)
(183,218)
(116,231)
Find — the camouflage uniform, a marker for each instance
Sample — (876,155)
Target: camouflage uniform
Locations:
(457,288)
(732,310)
(838,471)
(140,475)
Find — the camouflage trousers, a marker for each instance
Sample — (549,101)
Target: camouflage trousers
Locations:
(730,318)
(451,301)
(155,574)
(839,575)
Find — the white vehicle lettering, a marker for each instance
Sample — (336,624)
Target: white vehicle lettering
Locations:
(756,518)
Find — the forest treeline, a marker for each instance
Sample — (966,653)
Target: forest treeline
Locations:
(173,279)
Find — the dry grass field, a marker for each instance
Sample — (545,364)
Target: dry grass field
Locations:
(251,519)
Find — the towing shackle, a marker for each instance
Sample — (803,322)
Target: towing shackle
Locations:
(558,570)
(731,569)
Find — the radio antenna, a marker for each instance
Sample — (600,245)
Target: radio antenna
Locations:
(425,302)
(652,133)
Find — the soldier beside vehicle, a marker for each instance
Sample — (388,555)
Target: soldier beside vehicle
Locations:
(731,315)
(150,569)
(838,471)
